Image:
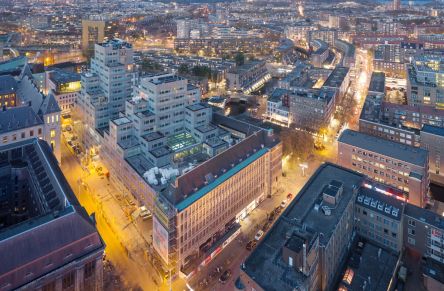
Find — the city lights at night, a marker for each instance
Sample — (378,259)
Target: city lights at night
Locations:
(221,145)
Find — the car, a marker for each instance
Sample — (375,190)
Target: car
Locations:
(289,196)
(283,203)
(145,213)
(271,216)
(259,235)
(225,276)
(251,244)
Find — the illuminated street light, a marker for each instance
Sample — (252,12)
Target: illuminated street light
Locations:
(303,166)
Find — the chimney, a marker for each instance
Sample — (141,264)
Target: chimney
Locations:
(30,103)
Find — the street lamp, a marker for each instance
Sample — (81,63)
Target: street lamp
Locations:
(303,167)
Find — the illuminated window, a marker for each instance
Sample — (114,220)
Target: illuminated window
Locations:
(5,139)
(53,133)
(52,119)
(47,119)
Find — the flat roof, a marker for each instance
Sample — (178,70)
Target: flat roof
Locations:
(197,106)
(433,130)
(406,153)
(61,77)
(207,188)
(265,264)
(336,77)
(377,82)
(424,215)
(121,120)
(372,268)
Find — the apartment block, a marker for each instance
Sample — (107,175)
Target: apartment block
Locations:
(425,81)
(400,166)
(198,214)
(65,86)
(305,247)
(344,231)
(248,77)
(47,240)
(432,140)
(105,88)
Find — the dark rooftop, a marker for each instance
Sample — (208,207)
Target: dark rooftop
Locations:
(265,264)
(8,85)
(377,83)
(408,154)
(60,77)
(370,269)
(433,130)
(17,118)
(336,77)
(26,247)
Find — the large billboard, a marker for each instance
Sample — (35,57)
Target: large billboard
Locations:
(160,239)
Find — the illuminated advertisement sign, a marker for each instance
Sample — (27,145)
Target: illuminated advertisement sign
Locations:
(160,239)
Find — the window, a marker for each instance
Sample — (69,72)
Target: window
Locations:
(68,280)
(411,241)
(412,222)
(53,133)
(39,131)
(31,133)
(5,139)
(411,231)
(90,269)
(51,286)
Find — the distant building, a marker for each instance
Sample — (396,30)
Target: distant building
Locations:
(396,5)
(311,109)
(432,139)
(377,84)
(34,114)
(349,53)
(278,107)
(397,165)
(93,32)
(248,77)
(47,240)
(105,88)
(327,35)
(320,53)
(425,81)
(8,91)
(65,86)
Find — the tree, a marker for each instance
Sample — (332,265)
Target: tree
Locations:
(298,144)
(239,59)
(183,69)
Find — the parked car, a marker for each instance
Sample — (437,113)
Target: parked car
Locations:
(251,245)
(283,203)
(145,213)
(289,196)
(225,276)
(271,216)
(259,235)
